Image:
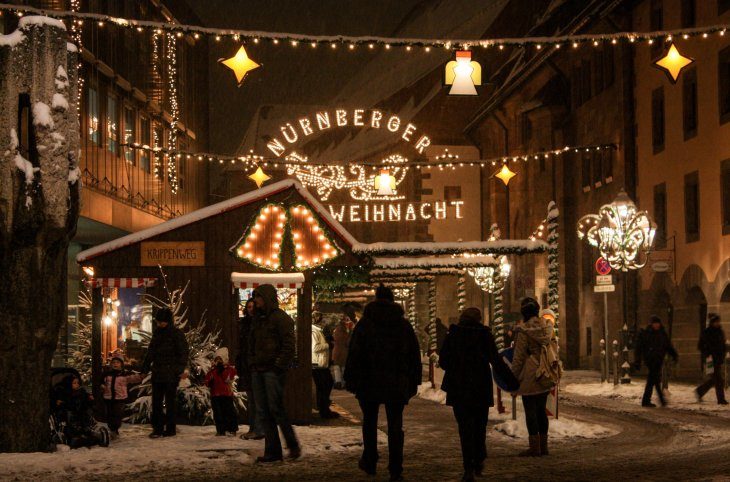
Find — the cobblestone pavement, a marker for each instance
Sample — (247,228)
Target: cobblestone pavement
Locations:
(650,444)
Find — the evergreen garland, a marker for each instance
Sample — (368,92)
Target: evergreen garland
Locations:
(499,320)
(553,264)
(335,279)
(461,291)
(432,341)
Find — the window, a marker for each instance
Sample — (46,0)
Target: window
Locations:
(452,193)
(692,206)
(92,114)
(660,214)
(689,13)
(130,137)
(723,74)
(725,195)
(656,22)
(689,103)
(586,171)
(26,139)
(607,165)
(657,119)
(112,125)
(597,168)
(144,156)
(723,6)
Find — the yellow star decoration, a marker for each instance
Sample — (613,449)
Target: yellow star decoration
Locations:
(259,177)
(673,63)
(505,174)
(240,64)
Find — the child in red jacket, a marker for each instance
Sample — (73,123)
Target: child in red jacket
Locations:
(220,380)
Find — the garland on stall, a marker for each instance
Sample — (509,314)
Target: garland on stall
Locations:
(491,247)
(432,340)
(553,264)
(461,291)
(412,309)
(499,321)
(336,279)
(294,39)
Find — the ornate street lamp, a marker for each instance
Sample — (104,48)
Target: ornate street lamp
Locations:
(491,278)
(623,235)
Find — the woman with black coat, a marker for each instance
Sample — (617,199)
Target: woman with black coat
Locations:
(467,356)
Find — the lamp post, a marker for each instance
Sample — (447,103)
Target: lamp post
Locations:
(623,235)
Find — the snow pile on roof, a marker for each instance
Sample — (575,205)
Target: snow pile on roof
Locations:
(195,452)
(28,20)
(216,209)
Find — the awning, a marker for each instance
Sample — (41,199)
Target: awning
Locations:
(121,282)
(278,280)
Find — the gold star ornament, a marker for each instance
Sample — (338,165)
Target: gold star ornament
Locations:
(240,64)
(505,174)
(673,63)
(259,177)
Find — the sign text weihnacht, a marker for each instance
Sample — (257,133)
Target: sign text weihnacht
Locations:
(397,211)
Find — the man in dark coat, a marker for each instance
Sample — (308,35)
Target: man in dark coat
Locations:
(713,344)
(466,355)
(271,350)
(167,356)
(255,431)
(652,346)
(383,367)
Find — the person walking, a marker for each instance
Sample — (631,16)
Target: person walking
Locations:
(220,380)
(468,354)
(255,430)
(323,381)
(167,357)
(271,352)
(383,367)
(530,337)
(341,336)
(652,347)
(713,345)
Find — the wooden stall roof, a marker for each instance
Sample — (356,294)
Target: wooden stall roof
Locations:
(216,209)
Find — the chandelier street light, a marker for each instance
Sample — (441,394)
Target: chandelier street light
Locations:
(623,235)
(491,278)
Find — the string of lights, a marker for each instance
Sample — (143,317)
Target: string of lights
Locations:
(171,55)
(252,160)
(370,42)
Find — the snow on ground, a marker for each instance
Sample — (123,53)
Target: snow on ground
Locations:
(561,428)
(433,394)
(194,447)
(679,395)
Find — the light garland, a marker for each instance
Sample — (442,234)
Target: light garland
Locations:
(171,53)
(267,226)
(308,235)
(156,74)
(453,162)
(77,39)
(368,43)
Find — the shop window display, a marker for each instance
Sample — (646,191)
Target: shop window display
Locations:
(126,324)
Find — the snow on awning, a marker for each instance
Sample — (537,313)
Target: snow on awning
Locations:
(121,282)
(278,280)
(427,262)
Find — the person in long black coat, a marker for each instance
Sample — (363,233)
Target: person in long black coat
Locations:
(383,367)
(713,344)
(255,429)
(167,357)
(653,345)
(467,357)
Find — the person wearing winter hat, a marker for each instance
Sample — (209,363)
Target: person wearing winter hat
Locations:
(383,368)
(652,347)
(116,391)
(220,380)
(167,358)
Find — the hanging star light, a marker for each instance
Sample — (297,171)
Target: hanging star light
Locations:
(240,64)
(673,63)
(505,174)
(259,177)
(463,74)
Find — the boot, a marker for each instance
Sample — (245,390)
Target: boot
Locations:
(534,450)
(544,444)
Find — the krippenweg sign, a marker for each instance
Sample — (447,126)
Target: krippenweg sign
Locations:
(184,253)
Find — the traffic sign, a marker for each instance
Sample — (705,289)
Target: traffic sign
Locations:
(604,279)
(602,266)
(604,288)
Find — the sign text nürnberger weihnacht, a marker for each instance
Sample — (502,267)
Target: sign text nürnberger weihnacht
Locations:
(183,253)
(367,118)
(396,211)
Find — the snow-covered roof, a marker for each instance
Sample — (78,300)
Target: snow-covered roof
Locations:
(216,209)
(501,246)
(434,262)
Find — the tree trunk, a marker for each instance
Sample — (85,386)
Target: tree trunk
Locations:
(39,207)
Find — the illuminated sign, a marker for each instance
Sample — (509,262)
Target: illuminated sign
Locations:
(397,211)
(292,133)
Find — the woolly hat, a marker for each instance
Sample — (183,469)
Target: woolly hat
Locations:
(384,293)
(163,314)
(654,319)
(223,353)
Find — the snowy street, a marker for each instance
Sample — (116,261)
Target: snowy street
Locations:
(681,442)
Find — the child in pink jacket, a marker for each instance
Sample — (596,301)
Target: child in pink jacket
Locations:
(115,385)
